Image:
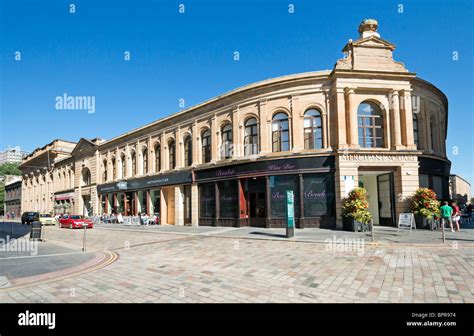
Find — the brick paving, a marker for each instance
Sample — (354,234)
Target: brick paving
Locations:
(158,267)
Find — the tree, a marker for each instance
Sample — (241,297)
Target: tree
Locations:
(6,169)
(9,169)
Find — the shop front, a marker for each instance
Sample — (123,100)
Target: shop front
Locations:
(63,202)
(254,193)
(151,195)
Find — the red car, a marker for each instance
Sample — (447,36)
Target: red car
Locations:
(75,222)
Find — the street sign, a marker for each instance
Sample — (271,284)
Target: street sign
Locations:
(290,214)
(406,221)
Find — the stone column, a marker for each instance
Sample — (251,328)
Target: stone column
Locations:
(296,125)
(195,140)
(194,204)
(263,131)
(178,205)
(163,207)
(343,169)
(179,148)
(395,112)
(407,119)
(214,140)
(150,157)
(237,141)
(340,118)
(351,118)
(164,152)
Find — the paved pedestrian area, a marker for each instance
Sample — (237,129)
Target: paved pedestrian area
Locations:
(171,267)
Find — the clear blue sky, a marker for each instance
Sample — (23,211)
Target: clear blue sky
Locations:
(190,56)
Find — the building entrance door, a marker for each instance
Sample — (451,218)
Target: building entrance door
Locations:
(380,195)
(385,190)
(256,202)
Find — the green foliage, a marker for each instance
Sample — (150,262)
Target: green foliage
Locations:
(6,169)
(355,205)
(425,203)
(9,169)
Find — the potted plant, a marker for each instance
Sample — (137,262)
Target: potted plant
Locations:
(425,206)
(355,213)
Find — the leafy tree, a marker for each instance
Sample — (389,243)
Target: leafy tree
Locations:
(9,169)
(6,169)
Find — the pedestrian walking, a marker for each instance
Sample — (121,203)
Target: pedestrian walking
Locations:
(456,215)
(446,215)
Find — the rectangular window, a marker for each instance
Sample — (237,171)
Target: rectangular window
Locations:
(228,199)
(318,195)
(424,181)
(207,197)
(438,186)
(278,187)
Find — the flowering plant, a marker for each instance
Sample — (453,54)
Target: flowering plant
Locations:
(425,203)
(355,205)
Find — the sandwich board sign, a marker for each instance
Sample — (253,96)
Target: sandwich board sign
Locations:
(406,221)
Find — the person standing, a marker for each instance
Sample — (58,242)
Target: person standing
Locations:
(446,215)
(456,215)
(469,212)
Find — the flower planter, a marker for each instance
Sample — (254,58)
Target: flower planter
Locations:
(421,222)
(350,224)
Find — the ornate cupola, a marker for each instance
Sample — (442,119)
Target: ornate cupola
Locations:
(369,52)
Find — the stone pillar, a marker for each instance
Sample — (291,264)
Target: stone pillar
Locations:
(263,129)
(163,207)
(407,119)
(178,205)
(406,182)
(325,134)
(194,204)
(149,152)
(343,169)
(195,139)
(340,118)
(214,140)
(296,125)
(179,148)
(237,141)
(351,118)
(395,112)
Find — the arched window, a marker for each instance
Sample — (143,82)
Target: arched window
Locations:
(114,169)
(188,151)
(86,176)
(416,136)
(134,163)
(145,160)
(206,146)
(433,133)
(157,158)
(226,147)
(172,154)
(251,137)
(104,171)
(124,166)
(370,125)
(313,130)
(280,133)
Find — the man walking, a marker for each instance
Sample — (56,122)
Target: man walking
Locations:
(446,213)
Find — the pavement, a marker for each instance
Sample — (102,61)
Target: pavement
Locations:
(189,264)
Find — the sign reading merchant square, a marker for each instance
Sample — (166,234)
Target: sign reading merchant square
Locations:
(271,167)
(147,182)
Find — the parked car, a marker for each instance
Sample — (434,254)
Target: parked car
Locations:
(75,222)
(29,217)
(47,219)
